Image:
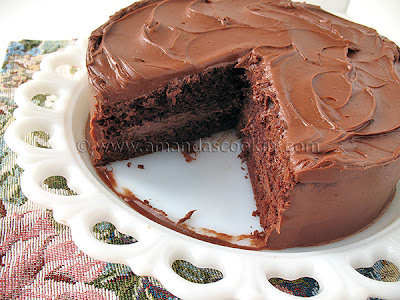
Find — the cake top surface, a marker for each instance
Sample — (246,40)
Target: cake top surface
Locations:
(337,82)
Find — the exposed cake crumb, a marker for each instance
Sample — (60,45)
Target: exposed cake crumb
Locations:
(242,156)
(141,167)
(258,234)
(189,152)
(188,156)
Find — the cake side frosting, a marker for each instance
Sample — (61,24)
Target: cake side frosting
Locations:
(336,81)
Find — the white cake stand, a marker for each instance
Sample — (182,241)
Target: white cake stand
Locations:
(245,272)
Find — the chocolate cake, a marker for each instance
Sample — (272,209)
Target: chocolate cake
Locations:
(314,97)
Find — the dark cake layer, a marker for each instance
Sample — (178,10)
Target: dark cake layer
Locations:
(195,106)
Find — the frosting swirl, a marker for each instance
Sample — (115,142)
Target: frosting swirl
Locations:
(336,82)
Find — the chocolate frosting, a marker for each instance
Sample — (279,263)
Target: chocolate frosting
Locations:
(337,82)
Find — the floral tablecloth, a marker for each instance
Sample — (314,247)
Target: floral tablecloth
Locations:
(39,260)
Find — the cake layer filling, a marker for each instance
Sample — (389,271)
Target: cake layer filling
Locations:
(173,134)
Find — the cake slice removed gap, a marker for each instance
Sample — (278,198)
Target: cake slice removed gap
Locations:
(200,105)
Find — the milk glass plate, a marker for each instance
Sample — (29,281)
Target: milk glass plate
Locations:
(214,185)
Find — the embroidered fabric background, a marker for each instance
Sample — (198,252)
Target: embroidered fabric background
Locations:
(39,260)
